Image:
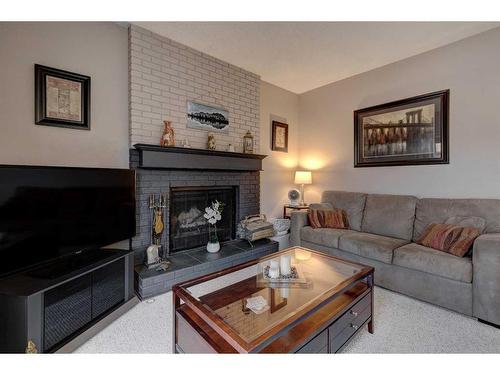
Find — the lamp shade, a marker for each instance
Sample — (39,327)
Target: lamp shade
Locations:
(303,177)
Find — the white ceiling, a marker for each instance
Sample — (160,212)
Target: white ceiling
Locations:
(300,56)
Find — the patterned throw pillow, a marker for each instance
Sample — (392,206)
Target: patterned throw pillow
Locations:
(333,218)
(449,238)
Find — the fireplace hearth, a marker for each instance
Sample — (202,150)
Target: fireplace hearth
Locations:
(188,228)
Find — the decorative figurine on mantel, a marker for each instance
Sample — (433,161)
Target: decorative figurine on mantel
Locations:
(211,145)
(248,143)
(168,137)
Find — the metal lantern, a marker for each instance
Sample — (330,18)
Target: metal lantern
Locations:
(248,143)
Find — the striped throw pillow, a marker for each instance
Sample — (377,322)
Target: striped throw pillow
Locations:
(333,218)
(449,238)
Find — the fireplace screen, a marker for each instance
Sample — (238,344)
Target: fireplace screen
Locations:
(187,227)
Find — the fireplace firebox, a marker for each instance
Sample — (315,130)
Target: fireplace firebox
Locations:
(187,227)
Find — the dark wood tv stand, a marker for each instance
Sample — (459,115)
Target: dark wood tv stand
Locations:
(45,307)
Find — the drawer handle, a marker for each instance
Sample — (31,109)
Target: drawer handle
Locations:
(354,326)
(354,313)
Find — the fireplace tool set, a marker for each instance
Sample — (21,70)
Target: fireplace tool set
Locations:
(154,253)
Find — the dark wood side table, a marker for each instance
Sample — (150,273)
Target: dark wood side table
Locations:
(288,209)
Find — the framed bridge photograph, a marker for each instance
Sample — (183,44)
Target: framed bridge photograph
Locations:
(412,131)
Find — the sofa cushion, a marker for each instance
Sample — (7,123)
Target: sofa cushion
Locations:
(321,206)
(437,210)
(370,245)
(352,203)
(323,236)
(390,215)
(468,221)
(435,262)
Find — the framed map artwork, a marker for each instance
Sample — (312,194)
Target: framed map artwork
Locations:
(279,137)
(61,98)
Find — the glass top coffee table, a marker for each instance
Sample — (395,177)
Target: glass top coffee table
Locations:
(318,310)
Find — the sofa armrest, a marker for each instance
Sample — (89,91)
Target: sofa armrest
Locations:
(298,220)
(486,278)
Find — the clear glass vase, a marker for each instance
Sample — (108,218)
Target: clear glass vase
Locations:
(213,244)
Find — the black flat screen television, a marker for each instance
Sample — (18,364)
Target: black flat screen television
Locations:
(51,212)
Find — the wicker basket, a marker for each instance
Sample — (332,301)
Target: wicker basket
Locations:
(255,227)
(281,226)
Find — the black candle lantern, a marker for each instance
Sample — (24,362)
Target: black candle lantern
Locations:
(248,143)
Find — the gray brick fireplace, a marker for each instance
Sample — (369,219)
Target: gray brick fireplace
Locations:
(149,181)
(190,179)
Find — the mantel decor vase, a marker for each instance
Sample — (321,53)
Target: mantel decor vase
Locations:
(168,137)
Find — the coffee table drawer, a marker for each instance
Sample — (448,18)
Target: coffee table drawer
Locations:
(349,316)
(337,341)
(319,344)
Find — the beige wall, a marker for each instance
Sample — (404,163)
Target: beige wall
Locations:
(277,177)
(95,49)
(469,68)
(324,141)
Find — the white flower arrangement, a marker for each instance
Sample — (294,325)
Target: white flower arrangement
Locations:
(213,214)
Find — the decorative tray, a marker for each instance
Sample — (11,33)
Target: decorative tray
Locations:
(296,276)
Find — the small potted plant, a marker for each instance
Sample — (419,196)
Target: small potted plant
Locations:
(213,214)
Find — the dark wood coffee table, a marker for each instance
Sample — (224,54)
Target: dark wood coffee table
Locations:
(318,316)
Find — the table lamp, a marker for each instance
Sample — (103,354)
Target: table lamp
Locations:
(302,178)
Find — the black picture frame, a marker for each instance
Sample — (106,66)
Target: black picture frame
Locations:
(41,116)
(274,127)
(416,139)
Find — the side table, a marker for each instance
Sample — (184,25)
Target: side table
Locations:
(288,209)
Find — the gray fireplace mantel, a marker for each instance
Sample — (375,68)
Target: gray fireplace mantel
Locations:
(157,157)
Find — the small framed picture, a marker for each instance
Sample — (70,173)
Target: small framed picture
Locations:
(61,98)
(279,138)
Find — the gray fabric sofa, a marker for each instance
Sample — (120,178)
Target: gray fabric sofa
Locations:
(382,235)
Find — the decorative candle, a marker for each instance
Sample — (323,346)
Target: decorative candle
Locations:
(274,269)
(302,254)
(285,292)
(286,264)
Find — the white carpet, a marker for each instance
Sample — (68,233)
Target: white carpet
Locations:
(402,325)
